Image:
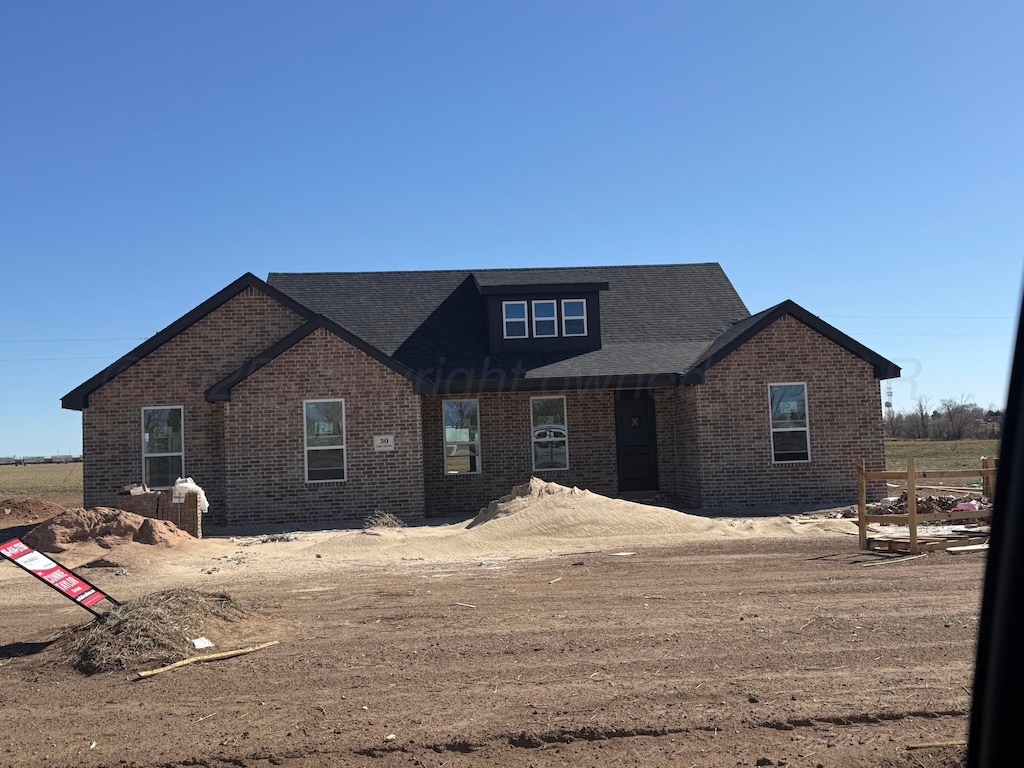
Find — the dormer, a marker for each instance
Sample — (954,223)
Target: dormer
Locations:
(525,317)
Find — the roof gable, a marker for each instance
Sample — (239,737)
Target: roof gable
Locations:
(78,398)
(221,391)
(744,330)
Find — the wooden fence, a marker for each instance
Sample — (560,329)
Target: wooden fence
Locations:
(915,544)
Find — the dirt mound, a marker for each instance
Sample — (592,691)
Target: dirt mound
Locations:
(522,497)
(18,511)
(104,525)
(153,630)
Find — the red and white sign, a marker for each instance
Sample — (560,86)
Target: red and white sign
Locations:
(62,579)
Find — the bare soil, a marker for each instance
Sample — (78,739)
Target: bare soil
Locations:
(573,630)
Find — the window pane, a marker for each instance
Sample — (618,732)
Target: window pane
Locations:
(550,454)
(163,471)
(325,423)
(544,309)
(461,415)
(515,329)
(544,328)
(326,464)
(461,457)
(789,407)
(574,308)
(575,327)
(790,445)
(161,431)
(515,310)
(548,410)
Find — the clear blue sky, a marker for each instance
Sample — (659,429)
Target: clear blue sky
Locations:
(863,159)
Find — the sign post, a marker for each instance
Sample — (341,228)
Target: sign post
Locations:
(55,575)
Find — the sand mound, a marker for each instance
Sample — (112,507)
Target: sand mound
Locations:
(18,511)
(104,525)
(153,630)
(524,497)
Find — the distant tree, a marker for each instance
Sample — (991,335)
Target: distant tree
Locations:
(959,418)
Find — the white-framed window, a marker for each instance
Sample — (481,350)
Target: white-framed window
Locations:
(574,317)
(461,436)
(545,320)
(513,319)
(163,446)
(324,440)
(791,435)
(550,434)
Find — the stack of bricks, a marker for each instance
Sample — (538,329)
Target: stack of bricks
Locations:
(159,505)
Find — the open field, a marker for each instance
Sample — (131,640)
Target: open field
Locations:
(61,483)
(938,454)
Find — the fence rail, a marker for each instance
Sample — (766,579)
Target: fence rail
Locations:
(987,472)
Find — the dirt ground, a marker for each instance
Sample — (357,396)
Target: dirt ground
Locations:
(582,632)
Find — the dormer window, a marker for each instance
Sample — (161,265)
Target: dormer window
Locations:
(513,315)
(545,324)
(574,317)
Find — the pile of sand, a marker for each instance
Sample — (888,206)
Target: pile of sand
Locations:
(25,509)
(539,519)
(105,526)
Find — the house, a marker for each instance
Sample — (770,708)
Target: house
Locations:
(318,398)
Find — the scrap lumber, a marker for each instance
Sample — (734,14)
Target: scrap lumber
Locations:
(207,657)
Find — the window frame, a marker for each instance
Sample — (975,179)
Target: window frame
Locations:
(534,440)
(553,319)
(306,447)
(446,442)
(574,317)
(806,428)
(163,454)
(525,320)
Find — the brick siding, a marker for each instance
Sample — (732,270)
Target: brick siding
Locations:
(506,450)
(732,423)
(178,373)
(264,439)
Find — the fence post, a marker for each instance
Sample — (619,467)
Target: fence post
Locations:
(912,504)
(862,499)
(986,478)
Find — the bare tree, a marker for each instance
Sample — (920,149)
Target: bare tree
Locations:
(959,417)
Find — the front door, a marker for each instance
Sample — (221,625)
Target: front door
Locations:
(636,440)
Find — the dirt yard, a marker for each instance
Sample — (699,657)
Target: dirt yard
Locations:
(562,629)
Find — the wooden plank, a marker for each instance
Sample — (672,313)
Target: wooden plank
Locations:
(967,548)
(889,560)
(862,506)
(912,504)
(964,514)
(926,473)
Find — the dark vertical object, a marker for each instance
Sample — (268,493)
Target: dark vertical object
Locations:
(999,668)
(636,440)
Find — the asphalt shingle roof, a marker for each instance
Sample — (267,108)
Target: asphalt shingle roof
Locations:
(654,318)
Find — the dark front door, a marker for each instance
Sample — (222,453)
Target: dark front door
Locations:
(636,440)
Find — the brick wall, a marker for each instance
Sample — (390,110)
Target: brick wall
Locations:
(506,450)
(264,439)
(177,374)
(732,422)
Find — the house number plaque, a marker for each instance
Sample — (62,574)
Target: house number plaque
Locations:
(383,442)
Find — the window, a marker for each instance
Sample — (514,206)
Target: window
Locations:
(791,439)
(574,317)
(544,322)
(461,436)
(513,315)
(163,455)
(325,440)
(550,433)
